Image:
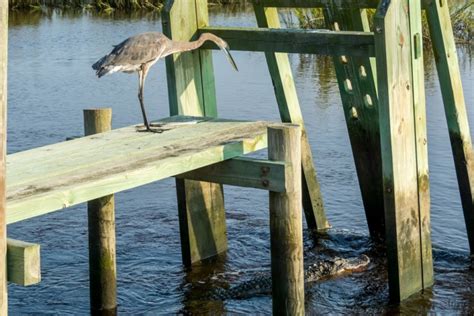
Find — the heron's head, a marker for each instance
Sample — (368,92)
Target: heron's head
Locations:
(222,45)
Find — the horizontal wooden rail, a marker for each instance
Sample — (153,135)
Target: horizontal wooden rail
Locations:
(23,262)
(243,172)
(323,42)
(362,4)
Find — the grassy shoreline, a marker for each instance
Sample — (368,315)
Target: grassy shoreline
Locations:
(102,5)
(462,16)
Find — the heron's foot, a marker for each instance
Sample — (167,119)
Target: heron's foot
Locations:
(147,129)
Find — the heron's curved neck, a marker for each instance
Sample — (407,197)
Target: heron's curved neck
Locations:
(187,46)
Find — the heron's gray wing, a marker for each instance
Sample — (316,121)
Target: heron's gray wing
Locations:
(136,50)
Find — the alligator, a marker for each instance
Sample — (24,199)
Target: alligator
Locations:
(321,270)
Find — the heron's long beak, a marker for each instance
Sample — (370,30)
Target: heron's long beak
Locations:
(229,58)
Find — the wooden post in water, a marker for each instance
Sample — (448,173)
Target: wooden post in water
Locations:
(286,227)
(191,91)
(455,108)
(404,164)
(101,218)
(3,152)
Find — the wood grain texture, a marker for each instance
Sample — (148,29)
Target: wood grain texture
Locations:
(3,152)
(286,230)
(455,107)
(363,128)
(321,42)
(398,143)
(149,158)
(191,91)
(23,262)
(243,172)
(101,231)
(290,112)
(421,137)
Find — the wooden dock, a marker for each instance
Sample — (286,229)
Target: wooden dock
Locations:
(380,77)
(92,168)
(50,178)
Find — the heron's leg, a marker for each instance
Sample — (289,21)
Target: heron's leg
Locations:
(142,73)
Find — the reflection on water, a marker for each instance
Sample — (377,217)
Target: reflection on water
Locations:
(50,82)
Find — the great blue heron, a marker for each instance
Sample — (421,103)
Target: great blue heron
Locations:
(138,53)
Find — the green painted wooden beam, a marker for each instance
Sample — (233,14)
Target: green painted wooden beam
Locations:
(191,90)
(110,168)
(399,147)
(23,262)
(421,137)
(322,42)
(357,87)
(446,59)
(243,172)
(290,111)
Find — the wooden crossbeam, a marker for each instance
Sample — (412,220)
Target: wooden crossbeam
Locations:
(321,42)
(23,262)
(243,172)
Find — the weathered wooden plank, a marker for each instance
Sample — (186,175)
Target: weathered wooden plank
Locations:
(360,104)
(52,162)
(243,172)
(191,91)
(290,111)
(23,262)
(3,152)
(419,103)
(398,143)
(454,106)
(73,187)
(101,231)
(321,42)
(286,230)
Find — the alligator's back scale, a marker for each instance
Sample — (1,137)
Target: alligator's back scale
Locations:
(321,270)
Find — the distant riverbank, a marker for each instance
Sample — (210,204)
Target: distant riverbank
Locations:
(106,6)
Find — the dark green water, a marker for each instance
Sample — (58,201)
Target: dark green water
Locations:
(50,82)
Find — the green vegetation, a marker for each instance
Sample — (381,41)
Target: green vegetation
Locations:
(462,18)
(105,6)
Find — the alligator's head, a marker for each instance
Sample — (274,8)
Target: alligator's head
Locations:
(335,267)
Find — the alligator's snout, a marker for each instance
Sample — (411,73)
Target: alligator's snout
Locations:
(330,268)
(357,264)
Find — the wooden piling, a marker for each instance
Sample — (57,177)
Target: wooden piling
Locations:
(402,157)
(286,230)
(447,65)
(191,91)
(101,218)
(3,152)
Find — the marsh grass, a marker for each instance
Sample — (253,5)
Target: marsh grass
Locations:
(106,6)
(462,19)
